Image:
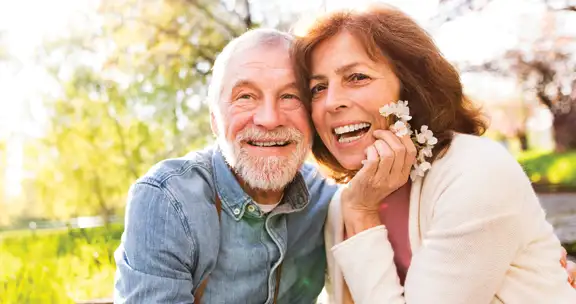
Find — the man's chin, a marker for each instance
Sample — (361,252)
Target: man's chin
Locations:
(267,173)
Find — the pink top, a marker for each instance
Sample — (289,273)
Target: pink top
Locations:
(394,213)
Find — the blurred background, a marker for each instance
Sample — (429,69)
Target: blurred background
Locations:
(94,92)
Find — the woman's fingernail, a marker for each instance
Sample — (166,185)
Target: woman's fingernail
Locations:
(363,162)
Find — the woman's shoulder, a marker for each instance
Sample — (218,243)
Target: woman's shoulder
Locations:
(477,162)
(334,213)
(478,179)
(334,225)
(471,152)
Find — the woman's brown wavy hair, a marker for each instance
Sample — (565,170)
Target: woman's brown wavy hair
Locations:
(429,82)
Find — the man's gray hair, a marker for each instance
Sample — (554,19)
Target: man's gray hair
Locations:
(254,38)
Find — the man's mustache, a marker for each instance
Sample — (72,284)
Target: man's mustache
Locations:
(284,134)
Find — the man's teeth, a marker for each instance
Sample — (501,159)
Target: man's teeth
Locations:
(350,128)
(269,143)
(348,139)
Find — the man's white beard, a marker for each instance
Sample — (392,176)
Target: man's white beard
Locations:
(271,173)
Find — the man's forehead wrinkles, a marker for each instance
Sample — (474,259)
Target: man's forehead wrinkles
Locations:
(265,65)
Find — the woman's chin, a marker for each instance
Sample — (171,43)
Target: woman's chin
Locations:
(351,164)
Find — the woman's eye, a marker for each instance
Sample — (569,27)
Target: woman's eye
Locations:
(317,89)
(358,77)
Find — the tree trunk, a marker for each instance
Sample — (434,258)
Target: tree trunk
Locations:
(523,140)
(248,18)
(106,217)
(565,129)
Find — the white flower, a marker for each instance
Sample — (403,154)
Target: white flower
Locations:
(426,136)
(421,156)
(420,170)
(424,140)
(399,110)
(413,175)
(425,166)
(388,110)
(426,151)
(420,138)
(400,128)
(402,110)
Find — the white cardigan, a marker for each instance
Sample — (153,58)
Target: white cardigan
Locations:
(477,232)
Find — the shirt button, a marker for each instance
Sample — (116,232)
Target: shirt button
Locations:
(236,211)
(251,208)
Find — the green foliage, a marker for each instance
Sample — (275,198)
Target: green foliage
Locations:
(571,249)
(57,266)
(132,93)
(550,168)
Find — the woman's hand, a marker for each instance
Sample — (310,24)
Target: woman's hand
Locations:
(386,168)
(569,266)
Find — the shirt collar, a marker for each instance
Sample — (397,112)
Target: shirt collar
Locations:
(235,200)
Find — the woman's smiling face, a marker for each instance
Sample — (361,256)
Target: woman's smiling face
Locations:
(348,89)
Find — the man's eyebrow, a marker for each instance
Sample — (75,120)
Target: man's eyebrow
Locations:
(340,70)
(291,85)
(243,83)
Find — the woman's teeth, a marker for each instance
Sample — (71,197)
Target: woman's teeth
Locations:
(352,132)
(350,128)
(348,139)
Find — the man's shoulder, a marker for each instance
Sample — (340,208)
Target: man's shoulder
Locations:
(311,173)
(317,184)
(196,164)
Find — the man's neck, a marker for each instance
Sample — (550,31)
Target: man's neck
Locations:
(264,197)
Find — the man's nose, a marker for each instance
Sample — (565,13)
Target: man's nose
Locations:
(269,116)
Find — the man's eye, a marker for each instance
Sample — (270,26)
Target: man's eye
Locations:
(290,96)
(317,89)
(244,96)
(358,77)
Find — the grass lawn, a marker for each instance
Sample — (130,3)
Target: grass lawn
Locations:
(557,169)
(57,266)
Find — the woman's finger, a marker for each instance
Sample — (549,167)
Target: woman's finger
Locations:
(399,151)
(386,162)
(369,166)
(410,156)
(564,257)
(571,268)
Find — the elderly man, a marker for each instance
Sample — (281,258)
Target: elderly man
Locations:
(246,214)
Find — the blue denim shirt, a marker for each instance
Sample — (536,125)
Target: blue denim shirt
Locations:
(173,239)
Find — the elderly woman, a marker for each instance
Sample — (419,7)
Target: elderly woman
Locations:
(432,212)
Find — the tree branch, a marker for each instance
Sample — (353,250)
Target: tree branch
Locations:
(97,188)
(200,49)
(231,30)
(461,7)
(545,99)
(568,8)
(123,148)
(248,18)
(458,9)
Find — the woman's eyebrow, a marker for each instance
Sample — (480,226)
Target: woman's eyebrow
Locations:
(339,70)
